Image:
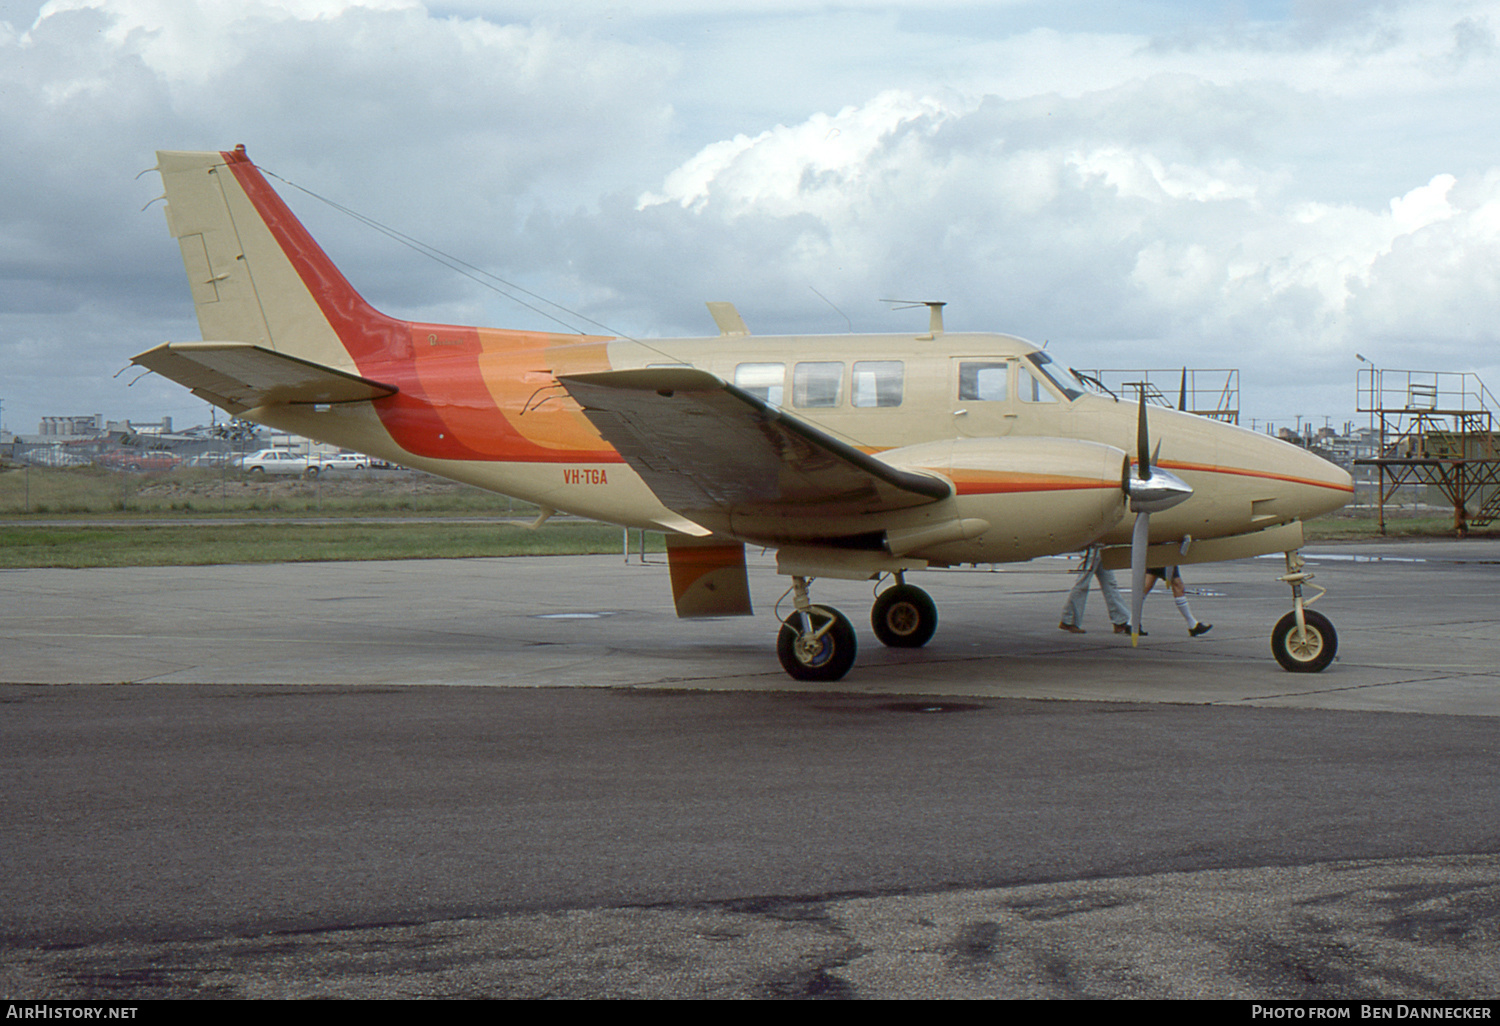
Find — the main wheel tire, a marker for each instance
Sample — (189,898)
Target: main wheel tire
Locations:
(1310,654)
(904,617)
(829,658)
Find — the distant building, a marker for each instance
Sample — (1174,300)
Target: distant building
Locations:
(87,426)
(161,427)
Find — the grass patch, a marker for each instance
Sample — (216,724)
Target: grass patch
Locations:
(53,494)
(92,491)
(199,545)
(1353,527)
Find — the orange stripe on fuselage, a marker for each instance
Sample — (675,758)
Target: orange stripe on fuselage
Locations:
(445,409)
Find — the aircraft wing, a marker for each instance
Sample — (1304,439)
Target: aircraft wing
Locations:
(239,376)
(703,445)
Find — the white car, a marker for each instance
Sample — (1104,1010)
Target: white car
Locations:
(346,461)
(278,461)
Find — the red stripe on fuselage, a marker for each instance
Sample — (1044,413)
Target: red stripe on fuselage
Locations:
(1264,474)
(1008,487)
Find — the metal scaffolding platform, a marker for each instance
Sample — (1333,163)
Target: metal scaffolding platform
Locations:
(1208,392)
(1437,428)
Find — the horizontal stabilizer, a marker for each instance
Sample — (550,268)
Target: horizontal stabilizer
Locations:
(239,376)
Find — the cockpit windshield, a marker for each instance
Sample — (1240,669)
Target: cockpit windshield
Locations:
(1063,379)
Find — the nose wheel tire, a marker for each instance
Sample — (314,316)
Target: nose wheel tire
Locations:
(824,653)
(904,617)
(1310,652)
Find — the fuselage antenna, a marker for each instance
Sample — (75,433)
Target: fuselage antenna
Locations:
(835,309)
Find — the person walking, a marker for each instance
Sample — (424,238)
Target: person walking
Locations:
(1173,576)
(1119,612)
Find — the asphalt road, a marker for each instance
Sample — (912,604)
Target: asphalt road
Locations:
(631,813)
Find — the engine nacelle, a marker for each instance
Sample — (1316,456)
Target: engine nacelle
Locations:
(1037,495)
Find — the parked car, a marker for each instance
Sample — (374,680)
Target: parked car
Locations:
(279,461)
(54,456)
(138,459)
(346,461)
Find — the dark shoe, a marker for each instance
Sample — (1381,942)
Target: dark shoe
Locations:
(1071,629)
(1202,628)
(1124,628)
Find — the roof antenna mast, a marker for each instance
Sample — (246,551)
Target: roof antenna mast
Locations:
(934,312)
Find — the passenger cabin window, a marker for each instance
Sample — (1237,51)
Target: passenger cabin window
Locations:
(878,382)
(765,381)
(817,385)
(983,381)
(1031,389)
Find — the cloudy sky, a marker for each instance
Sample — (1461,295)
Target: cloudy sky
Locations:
(1271,185)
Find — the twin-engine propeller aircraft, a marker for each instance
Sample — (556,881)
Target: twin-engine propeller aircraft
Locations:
(852,456)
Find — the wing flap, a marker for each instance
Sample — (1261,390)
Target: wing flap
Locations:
(702,445)
(240,376)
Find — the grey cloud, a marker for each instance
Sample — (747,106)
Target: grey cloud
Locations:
(1230,198)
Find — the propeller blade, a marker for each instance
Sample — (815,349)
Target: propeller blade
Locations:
(1150,489)
(1142,441)
(1139,539)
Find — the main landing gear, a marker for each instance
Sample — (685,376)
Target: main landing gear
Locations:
(904,616)
(1303,641)
(817,642)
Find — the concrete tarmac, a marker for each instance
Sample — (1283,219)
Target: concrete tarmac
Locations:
(1416,624)
(1414,913)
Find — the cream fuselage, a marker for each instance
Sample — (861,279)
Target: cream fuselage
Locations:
(1023,425)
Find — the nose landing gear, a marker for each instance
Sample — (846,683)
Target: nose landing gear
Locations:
(1303,641)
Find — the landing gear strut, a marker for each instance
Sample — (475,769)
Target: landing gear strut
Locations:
(1303,641)
(904,616)
(815,642)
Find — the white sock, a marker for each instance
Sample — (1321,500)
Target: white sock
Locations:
(1187,614)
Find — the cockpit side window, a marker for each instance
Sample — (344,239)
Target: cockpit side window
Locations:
(983,381)
(1031,388)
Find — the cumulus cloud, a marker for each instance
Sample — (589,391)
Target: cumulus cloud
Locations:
(450,128)
(1099,237)
(1271,194)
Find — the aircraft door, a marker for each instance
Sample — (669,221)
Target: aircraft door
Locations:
(983,400)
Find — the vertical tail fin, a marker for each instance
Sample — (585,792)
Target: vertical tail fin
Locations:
(256,274)
(260,282)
